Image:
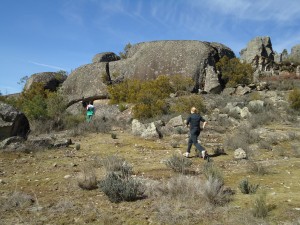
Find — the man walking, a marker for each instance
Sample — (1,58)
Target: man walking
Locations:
(193,121)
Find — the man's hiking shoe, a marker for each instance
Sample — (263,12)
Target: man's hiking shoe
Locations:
(186,154)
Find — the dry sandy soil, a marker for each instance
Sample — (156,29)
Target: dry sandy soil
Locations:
(41,187)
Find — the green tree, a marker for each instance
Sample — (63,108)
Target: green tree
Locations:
(124,54)
(233,72)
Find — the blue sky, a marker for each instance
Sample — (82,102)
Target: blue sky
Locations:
(52,35)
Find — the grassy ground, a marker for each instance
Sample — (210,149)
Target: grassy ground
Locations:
(49,177)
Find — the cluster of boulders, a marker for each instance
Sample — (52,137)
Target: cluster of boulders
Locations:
(259,53)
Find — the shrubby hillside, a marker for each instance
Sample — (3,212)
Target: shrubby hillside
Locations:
(126,166)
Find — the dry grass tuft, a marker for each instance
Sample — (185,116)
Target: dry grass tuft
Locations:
(87,179)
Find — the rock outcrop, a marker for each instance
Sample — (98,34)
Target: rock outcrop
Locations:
(258,47)
(259,53)
(12,122)
(146,61)
(194,59)
(295,52)
(51,80)
(106,57)
(86,83)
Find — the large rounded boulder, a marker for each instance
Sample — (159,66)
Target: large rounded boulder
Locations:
(193,59)
(12,122)
(146,61)
(50,80)
(86,83)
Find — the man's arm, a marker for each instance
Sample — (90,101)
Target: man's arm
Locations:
(204,124)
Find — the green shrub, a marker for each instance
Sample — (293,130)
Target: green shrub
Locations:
(183,104)
(178,163)
(149,96)
(113,136)
(294,99)
(180,83)
(125,91)
(233,72)
(247,188)
(124,53)
(122,107)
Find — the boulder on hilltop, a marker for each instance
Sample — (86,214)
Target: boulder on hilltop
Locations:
(106,57)
(146,61)
(86,84)
(50,80)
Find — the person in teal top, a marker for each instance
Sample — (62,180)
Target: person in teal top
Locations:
(90,110)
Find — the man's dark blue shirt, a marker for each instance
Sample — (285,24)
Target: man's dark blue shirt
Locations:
(194,121)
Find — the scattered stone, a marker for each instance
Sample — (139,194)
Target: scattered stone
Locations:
(240,154)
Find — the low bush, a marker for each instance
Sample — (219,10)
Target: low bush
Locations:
(296,150)
(241,138)
(260,208)
(294,99)
(120,189)
(178,163)
(212,172)
(97,125)
(17,200)
(214,191)
(117,165)
(87,179)
(148,96)
(258,169)
(184,104)
(247,188)
(177,199)
(113,135)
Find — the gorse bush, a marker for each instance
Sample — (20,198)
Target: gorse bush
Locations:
(183,104)
(33,102)
(233,72)
(149,96)
(294,99)
(42,105)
